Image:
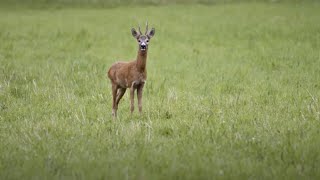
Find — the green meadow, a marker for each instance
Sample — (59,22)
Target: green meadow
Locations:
(232,92)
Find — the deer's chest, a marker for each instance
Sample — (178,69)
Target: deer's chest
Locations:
(138,79)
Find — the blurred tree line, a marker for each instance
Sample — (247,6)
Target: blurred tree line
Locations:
(115,3)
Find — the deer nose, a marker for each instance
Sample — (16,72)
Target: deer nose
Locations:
(143,46)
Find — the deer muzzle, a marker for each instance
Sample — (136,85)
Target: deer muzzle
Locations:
(143,47)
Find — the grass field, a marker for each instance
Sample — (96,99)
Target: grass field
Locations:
(233,93)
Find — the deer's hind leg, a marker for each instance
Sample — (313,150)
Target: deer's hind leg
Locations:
(120,94)
(114,98)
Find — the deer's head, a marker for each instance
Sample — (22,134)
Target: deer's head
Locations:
(143,39)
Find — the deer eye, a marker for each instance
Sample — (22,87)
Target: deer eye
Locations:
(147,41)
(139,41)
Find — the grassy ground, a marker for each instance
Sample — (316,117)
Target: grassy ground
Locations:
(233,92)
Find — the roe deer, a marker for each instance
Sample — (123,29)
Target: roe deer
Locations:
(132,74)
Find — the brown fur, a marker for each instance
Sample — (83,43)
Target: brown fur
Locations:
(132,75)
(123,74)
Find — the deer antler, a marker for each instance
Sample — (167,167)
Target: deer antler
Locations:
(146,27)
(139,29)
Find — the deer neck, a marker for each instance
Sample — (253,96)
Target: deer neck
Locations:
(142,60)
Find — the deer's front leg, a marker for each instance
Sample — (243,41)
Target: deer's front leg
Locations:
(132,99)
(139,94)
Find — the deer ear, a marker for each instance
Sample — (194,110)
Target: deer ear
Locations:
(151,33)
(134,33)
